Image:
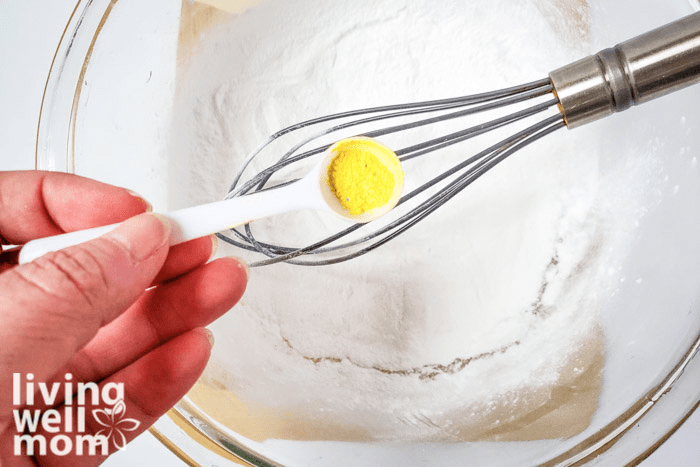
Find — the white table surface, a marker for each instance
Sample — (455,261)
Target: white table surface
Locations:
(29,32)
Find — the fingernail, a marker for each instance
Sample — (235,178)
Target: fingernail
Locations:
(243,265)
(214,245)
(148,206)
(210,336)
(142,235)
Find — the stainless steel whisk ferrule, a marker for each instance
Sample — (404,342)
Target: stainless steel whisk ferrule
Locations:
(651,65)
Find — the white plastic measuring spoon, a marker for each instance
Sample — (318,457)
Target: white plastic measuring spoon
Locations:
(312,191)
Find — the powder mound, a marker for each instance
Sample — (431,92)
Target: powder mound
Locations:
(486,300)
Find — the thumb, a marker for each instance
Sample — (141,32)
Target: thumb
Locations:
(54,305)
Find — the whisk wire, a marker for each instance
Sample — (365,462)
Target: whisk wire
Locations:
(463,173)
(496,154)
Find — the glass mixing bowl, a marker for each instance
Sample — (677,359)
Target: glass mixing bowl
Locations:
(112,95)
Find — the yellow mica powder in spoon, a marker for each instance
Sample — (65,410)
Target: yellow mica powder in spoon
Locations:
(363,175)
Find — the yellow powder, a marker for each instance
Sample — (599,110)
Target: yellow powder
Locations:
(359,179)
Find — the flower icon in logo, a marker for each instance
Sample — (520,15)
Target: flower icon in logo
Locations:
(115,424)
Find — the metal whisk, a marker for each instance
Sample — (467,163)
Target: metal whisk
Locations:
(648,66)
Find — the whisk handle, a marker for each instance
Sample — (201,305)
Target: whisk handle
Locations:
(648,66)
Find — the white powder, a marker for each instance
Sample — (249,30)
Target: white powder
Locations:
(479,305)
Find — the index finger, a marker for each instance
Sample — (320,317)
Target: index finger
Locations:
(35,204)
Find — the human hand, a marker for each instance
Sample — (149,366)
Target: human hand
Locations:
(90,311)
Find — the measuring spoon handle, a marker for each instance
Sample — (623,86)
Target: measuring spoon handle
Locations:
(194,222)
